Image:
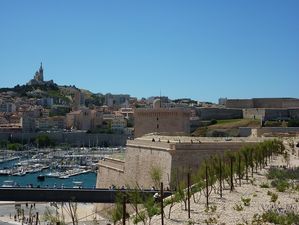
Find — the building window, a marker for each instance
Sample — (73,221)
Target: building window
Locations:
(157,126)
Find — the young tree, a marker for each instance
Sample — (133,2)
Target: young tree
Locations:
(156,175)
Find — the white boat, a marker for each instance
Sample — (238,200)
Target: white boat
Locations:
(77,184)
(5,172)
(9,183)
(53,174)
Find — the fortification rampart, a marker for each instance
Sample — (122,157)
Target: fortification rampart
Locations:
(239,103)
(218,113)
(268,131)
(172,159)
(161,120)
(281,103)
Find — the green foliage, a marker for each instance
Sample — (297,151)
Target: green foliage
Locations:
(43,140)
(280,184)
(213,122)
(51,218)
(3,143)
(278,173)
(274,197)
(274,173)
(211,209)
(156,175)
(275,123)
(284,218)
(264,185)
(22,90)
(211,220)
(293,123)
(14,146)
(190,222)
(238,207)
(140,217)
(257,220)
(151,207)
(116,213)
(246,201)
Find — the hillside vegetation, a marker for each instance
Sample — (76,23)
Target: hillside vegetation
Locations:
(235,123)
(222,128)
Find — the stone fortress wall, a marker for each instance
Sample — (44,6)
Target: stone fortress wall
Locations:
(218,113)
(280,103)
(266,108)
(174,160)
(161,120)
(270,114)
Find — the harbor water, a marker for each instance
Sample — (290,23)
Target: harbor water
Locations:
(31,179)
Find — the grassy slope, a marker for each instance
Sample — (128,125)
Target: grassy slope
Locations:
(235,123)
(227,125)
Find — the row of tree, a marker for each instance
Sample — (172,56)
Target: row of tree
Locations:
(219,172)
(41,141)
(225,171)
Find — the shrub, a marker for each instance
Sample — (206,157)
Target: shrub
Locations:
(140,217)
(280,184)
(211,209)
(213,122)
(274,197)
(293,123)
(14,146)
(285,218)
(264,185)
(211,220)
(274,173)
(246,201)
(238,207)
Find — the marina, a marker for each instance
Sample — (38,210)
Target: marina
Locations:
(48,168)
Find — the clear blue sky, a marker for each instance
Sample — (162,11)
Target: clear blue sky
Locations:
(198,49)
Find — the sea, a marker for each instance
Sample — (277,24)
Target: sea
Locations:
(30,179)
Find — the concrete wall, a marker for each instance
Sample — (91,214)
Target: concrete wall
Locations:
(218,113)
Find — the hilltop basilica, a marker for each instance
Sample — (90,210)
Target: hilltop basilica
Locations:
(39,78)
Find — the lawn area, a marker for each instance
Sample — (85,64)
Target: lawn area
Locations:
(235,123)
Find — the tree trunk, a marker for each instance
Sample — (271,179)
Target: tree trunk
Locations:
(231,175)
(220,177)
